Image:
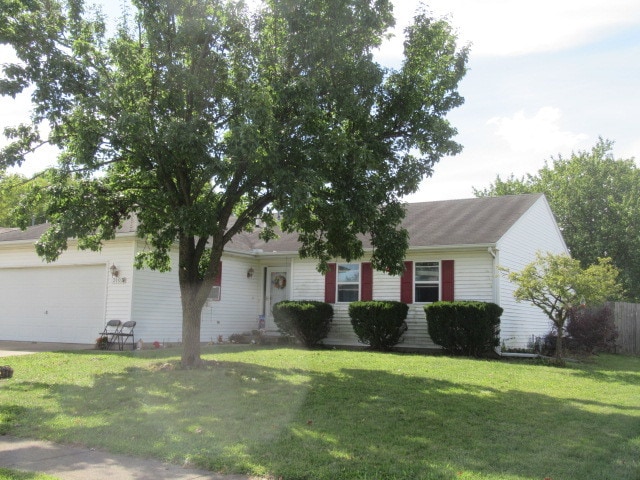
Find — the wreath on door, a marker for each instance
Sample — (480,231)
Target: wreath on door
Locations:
(279,281)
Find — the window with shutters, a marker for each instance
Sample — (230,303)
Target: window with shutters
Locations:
(348,282)
(426,282)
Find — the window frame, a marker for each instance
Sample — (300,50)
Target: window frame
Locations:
(417,283)
(340,283)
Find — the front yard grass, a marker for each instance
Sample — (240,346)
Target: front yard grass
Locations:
(326,414)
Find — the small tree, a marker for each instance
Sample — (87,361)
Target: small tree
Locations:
(555,283)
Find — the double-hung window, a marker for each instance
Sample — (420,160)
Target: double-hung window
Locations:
(427,282)
(348,282)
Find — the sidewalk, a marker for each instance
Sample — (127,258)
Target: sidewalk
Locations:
(77,463)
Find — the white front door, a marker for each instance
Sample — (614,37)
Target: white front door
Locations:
(277,290)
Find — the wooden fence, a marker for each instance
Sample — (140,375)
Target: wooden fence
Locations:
(627,319)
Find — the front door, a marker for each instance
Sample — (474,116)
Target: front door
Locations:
(277,290)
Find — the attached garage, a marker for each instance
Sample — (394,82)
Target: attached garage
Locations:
(53,303)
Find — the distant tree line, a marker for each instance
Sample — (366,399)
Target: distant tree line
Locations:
(596,201)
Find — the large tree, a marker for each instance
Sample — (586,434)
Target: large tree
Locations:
(558,283)
(596,200)
(200,115)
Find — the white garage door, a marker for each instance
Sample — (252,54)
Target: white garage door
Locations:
(52,304)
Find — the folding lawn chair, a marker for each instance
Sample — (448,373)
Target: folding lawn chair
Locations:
(125,333)
(110,333)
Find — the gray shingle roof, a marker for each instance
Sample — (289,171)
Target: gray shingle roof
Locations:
(472,221)
(34,233)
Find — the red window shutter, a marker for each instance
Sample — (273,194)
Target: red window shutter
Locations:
(366,282)
(218,280)
(330,284)
(447,281)
(406,283)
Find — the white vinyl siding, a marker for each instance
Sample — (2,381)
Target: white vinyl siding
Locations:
(158,308)
(535,231)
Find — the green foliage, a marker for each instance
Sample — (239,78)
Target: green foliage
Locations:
(307,320)
(464,328)
(20,202)
(596,201)
(379,324)
(200,116)
(557,283)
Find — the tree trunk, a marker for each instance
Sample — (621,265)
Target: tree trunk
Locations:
(193,293)
(191,320)
(559,346)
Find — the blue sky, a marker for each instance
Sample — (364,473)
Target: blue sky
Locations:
(545,78)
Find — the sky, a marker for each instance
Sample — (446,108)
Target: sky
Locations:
(546,78)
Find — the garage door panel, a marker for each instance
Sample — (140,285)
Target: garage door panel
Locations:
(52,304)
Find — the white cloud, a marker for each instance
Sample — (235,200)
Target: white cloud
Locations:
(507,27)
(540,133)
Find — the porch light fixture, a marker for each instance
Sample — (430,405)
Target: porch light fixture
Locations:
(250,272)
(114,271)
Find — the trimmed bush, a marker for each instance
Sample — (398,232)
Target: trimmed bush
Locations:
(592,329)
(307,320)
(379,324)
(464,328)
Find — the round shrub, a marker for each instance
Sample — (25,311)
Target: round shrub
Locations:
(379,324)
(307,320)
(464,328)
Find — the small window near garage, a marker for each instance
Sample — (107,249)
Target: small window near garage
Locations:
(348,282)
(427,282)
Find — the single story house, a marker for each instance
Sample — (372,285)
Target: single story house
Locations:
(455,249)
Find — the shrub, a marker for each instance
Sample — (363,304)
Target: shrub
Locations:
(592,329)
(464,328)
(379,324)
(102,342)
(307,320)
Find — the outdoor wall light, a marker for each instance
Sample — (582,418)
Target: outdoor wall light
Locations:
(114,271)
(250,272)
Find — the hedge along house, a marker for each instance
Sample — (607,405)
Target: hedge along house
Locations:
(455,249)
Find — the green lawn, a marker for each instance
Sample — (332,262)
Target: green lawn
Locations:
(335,414)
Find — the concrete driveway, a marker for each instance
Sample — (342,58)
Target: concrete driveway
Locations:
(9,348)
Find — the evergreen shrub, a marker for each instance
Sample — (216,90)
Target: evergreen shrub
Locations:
(379,324)
(307,320)
(464,327)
